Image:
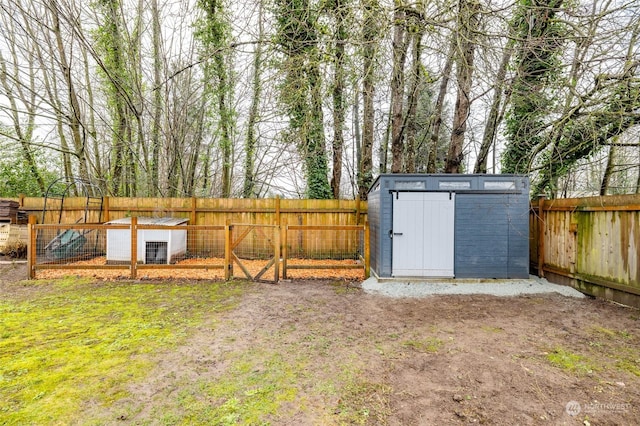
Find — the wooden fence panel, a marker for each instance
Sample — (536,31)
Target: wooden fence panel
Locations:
(559,241)
(590,243)
(608,246)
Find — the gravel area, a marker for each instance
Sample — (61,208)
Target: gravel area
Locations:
(417,288)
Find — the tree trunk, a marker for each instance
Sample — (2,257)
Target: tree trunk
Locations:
(400,46)
(416,82)
(436,117)
(23,137)
(538,45)
(317,168)
(357,141)
(493,119)
(638,179)
(91,126)
(338,97)
(153,174)
(251,143)
(468,15)
(74,114)
(608,171)
(226,141)
(297,35)
(369,34)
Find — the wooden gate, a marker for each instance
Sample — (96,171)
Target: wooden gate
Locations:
(255,249)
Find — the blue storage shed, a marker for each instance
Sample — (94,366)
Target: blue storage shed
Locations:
(444,225)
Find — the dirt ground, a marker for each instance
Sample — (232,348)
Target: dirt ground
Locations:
(545,359)
(12,270)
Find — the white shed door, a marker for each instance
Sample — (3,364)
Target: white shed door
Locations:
(423,224)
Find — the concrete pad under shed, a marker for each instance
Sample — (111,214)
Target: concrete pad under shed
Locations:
(500,287)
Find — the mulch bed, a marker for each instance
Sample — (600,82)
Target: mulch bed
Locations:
(253,266)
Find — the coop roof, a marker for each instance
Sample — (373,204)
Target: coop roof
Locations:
(164,221)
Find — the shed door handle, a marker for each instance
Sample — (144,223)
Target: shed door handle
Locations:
(397,233)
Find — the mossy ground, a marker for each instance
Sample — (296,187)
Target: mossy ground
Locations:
(81,341)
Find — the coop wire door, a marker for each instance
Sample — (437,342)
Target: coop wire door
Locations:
(423,234)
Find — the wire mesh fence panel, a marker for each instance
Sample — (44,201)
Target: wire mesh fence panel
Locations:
(64,246)
(205,242)
(252,251)
(323,251)
(188,252)
(108,251)
(74,249)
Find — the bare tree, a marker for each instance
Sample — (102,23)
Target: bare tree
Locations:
(369,39)
(496,112)
(400,48)
(416,86)
(467,26)
(436,115)
(340,36)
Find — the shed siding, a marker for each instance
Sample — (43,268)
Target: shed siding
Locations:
(386,216)
(373,214)
(519,236)
(481,236)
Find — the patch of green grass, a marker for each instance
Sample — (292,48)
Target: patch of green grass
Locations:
(629,365)
(252,390)
(274,379)
(83,341)
(602,331)
(361,401)
(344,287)
(619,346)
(427,345)
(572,362)
(255,388)
(612,334)
(492,329)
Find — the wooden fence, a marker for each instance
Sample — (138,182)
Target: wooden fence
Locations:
(199,211)
(210,212)
(309,229)
(591,244)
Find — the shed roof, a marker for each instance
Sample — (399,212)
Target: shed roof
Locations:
(475,180)
(164,221)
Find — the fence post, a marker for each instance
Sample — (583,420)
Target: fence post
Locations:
(366,249)
(276,254)
(541,221)
(134,247)
(278,239)
(358,210)
(193,218)
(105,206)
(284,250)
(277,209)
(194,205)
(228,265)
(31,247)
